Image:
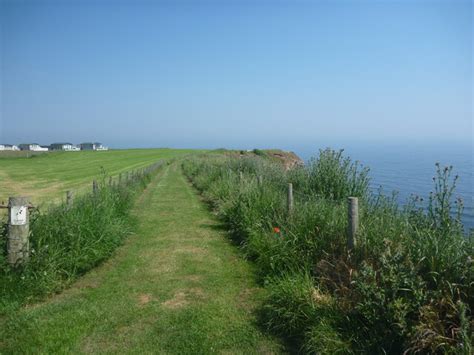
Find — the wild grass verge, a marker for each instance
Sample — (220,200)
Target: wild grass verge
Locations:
(408,287)
(67,241)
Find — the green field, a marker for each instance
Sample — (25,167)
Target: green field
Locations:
(45,177)
(177,286)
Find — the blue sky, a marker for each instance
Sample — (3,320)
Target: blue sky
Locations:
(235,73)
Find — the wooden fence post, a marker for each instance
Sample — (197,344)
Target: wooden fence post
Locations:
(353,217)
(69,198)
(18,246)
(95,187)
(290,198)
(241,176)
(260,180)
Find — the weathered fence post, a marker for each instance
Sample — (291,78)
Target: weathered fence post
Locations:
(260,180)
(290,198)
(95,187)
(241,176)
(353,217)
(18,247)
(68,198)
(110,180)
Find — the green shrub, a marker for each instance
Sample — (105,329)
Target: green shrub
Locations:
(323,338)
(291,308)
(334,176)
(304,314)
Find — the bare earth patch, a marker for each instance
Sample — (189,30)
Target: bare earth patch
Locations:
(196,293)
(144,299)
(178,301)
(183,298)
(191,250)
(194,278)
(246,298)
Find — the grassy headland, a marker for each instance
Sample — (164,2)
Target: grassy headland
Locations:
(176,287)
(408,286)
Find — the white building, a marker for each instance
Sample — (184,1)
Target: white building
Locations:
(8,147)
(33,147)
(68,147)
(100,146)
(93,146)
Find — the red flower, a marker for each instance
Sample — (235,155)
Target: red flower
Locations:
(276,229)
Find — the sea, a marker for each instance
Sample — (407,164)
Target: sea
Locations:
(409,168)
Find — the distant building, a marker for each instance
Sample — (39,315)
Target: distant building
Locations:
(99,146)
(87,146)
(93,146)
(33,147)
(8,147)
(69,147)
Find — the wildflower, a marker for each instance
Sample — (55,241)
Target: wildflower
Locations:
(276,229)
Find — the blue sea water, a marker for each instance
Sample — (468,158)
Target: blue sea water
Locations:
(409,169)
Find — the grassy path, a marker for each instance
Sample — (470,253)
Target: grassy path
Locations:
(177,286)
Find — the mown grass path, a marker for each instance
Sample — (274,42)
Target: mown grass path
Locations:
(177,286)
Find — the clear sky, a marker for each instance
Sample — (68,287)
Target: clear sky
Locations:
(235,73)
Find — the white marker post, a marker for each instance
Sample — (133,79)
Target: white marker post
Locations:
(18,247)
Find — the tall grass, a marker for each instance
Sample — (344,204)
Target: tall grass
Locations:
(407,287)
(66,241)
